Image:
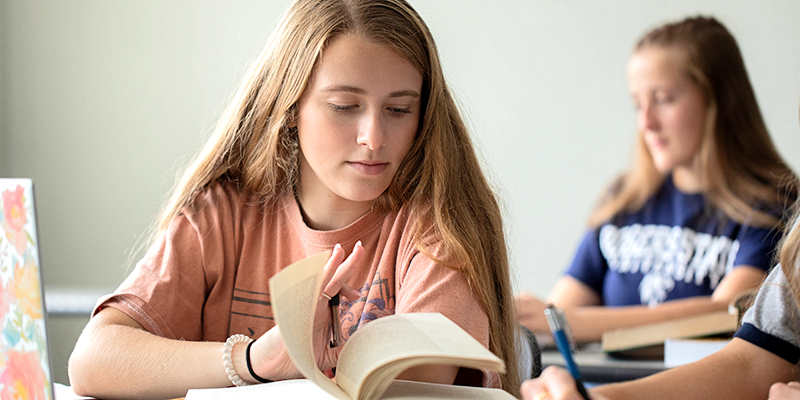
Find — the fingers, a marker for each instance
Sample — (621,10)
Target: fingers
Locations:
(780,391)
(521,306)
(531,389)
(528,322)
(526,304)
(337,256)
(530,312)
(338,270)
(350,293)
(554,383)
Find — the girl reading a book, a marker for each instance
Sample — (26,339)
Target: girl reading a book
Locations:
(696,218)
(343,137)
(762,361)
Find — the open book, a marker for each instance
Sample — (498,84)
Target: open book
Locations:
(647,341)
(372,357)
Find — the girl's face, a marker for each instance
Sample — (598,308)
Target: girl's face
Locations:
(670,109)
(356,121)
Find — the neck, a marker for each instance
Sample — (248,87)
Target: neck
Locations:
(686,180)
(328,213)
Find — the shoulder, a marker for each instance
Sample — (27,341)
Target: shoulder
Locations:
(775,291)
(216,195)
(416,225)
(411,236)
(773,322)
(221,200)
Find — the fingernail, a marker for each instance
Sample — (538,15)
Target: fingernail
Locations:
(338,246)
(358,243)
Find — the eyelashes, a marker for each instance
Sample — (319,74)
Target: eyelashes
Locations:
(342,108)
(347,108)
(397,110)
(656,100)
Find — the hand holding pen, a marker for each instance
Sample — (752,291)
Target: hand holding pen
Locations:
(562,337)
(333,300)
(268,357)
(336,327)
(555,383)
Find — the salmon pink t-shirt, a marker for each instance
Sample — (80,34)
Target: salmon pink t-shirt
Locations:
(206,278)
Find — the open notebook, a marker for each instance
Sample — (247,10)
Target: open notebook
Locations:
(25,361)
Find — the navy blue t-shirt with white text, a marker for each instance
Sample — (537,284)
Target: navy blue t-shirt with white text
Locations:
(674,247)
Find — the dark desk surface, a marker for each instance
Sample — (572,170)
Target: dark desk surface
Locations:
(598,367)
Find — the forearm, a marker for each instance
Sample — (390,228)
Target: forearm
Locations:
(685,384)
(121,361)
(589,323)
(739,371)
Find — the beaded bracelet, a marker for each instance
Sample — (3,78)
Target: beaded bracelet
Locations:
(227,361)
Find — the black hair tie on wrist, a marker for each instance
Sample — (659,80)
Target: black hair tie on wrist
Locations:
(250,367)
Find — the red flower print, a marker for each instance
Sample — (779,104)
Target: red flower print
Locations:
(23,377)
(15,217)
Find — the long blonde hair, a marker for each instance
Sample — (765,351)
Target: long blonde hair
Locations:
(741,172)
(789,254)
(440,177)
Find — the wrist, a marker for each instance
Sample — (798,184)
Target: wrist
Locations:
(232,356)
(239,358)
(250,365)
(241,361)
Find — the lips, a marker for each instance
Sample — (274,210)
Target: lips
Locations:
(657,141)
(368,167)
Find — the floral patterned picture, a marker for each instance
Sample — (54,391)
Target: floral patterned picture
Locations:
(24,364)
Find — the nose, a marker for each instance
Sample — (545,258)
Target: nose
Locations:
(371,132)
(646,118)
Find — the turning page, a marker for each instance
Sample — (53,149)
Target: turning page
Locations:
(295,291)
(382,349)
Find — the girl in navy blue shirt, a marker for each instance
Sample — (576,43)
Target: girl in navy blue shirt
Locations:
(762,361)
(696,218)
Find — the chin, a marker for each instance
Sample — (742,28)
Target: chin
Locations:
(364,195)
(663,167)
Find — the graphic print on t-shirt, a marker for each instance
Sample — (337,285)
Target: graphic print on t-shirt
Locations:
(377,300)
(666,255)
(677,245)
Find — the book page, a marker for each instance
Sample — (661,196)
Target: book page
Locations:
(420,390)
(382,349)
(295,389)
(294,292)
(303,389)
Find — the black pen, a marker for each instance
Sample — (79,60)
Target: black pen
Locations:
(559,328)
(336,329)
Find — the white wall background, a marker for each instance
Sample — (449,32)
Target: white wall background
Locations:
(102,103)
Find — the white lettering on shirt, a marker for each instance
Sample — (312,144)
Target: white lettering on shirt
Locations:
(666,255)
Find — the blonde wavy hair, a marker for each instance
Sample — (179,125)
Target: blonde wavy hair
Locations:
(790,255)
(440,177)
(741,172)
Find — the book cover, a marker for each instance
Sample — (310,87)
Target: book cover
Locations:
(652,336)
